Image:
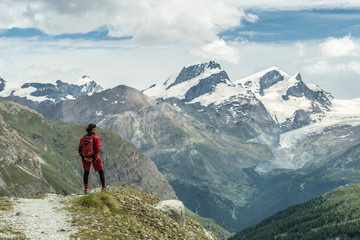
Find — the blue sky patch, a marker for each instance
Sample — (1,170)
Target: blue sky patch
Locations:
(297,26)
(101,33)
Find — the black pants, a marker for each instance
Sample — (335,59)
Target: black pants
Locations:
(101,174)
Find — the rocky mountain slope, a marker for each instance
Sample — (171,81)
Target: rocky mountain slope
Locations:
(334,215)
(119,213)
(38,155)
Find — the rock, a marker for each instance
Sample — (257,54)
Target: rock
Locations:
(208,235)
(173,208)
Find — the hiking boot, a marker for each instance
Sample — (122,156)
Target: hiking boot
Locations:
(86,191)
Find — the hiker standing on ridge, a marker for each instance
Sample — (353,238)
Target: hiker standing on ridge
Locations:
(89,149)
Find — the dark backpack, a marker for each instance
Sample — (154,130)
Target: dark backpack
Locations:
(87,146)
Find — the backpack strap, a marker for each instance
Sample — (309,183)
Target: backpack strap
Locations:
(94,146)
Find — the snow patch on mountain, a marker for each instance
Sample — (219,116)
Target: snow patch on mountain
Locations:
(223,93)
(343,112)
(283,94)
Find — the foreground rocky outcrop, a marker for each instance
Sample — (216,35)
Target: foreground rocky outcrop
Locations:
(119,213)
(125,213)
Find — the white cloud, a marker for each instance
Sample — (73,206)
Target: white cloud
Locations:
(338,47)
(318,67)
(148,21)
(301,47)
(354,66)
(251,18)
(218,50)
(322,67)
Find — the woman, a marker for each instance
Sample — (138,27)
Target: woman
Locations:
(89,149)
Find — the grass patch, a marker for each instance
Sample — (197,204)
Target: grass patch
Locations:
(39,196)
(101,201)
(5,204)
(125,213)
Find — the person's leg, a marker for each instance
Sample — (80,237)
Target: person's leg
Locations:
(86,181)
(102,178)
(86,166)
(98,167)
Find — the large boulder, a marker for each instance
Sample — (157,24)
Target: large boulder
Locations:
(173,208)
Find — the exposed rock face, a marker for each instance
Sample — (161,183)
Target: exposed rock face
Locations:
(300,89)
(206,85)
(269,79)
(193,71)
(173,208)
(2,84)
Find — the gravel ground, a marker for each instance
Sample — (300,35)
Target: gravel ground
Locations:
(39,218)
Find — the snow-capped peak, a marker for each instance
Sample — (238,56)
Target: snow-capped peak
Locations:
(262,80)
(285,95)
(83,80)
(190,82)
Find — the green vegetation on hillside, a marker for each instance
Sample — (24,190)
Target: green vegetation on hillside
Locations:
(333,215)
(125,213)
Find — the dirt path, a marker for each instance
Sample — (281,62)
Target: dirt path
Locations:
(39,218)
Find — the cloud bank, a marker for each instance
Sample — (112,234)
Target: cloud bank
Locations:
(338,47)
(147,22)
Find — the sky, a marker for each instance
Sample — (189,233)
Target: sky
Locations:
(141,42)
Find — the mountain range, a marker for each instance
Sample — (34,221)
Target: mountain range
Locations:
(235,151)
(49,92)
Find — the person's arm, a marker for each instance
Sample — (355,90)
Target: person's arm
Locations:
(80,146)
(98,146)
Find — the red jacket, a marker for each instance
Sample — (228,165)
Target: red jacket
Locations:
(97,145)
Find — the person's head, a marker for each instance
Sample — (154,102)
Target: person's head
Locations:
(91,127)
